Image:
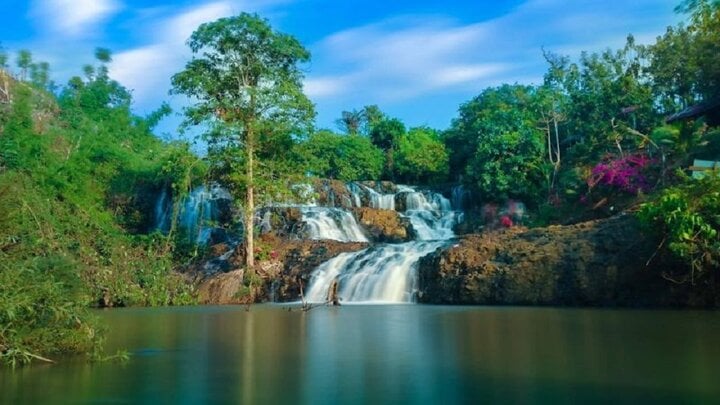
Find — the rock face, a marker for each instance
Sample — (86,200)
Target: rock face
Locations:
(384,226)
(222,289)
(285,222)
(279,276)
(299,259)
(594,263)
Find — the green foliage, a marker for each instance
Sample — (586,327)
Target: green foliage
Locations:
(421,157)
(247,85)
(600,95)
(43,312)
(343,157)
(78,177)
(360,121)
(500,127)
(386,133)
(687,218)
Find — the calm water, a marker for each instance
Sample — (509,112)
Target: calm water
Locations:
(389,354)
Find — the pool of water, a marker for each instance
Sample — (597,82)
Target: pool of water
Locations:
(369,354)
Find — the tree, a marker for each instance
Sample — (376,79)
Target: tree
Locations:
(360,121)
(385,135)
(343,157)
(3,58)
(247,85)
(350,121)
(498,137)
(421,157)
(24,61)
(372,115)
(5,96)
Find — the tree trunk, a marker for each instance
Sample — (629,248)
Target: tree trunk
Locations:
(250,205)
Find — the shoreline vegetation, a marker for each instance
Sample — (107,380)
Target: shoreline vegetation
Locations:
(80,174)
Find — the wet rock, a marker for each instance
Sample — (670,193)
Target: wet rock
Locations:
(299,259)
(384,225)
(223,289)
(333,193)
(601,262)
(281,221)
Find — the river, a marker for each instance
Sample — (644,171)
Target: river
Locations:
(388,354)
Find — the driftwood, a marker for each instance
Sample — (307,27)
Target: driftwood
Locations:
(333,293)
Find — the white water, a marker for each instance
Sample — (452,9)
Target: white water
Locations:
(197,213)
(388,273)
(332,223)
(383,273)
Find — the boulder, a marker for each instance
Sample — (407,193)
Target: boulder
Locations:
(223,289)
(384,225)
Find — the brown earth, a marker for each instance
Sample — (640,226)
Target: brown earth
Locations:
(595,263)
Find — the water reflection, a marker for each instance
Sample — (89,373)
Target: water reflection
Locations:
(389,354)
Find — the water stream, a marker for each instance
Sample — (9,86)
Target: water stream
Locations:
(387,273)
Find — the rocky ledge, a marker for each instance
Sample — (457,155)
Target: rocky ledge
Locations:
(596,263)
(280,274)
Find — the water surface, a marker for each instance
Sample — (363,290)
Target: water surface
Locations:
(389,354)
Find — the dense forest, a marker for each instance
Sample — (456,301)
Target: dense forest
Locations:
(80,172)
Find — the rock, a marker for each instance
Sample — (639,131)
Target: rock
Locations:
(281,221)
(299,259)
(223,289)
(384,225)
(601,262)
(333,193)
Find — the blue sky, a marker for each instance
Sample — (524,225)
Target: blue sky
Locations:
(418,60)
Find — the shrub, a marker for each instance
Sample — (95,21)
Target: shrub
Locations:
(687,219)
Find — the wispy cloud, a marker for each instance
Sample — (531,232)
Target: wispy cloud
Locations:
(402,61)
(73,18)
(146,70)
(402,57)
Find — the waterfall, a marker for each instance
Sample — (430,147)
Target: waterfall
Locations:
(380,201)
(356,192)
(460,197)
(384,273)
(332,223)
(198,211)
(388,272)
(163,211)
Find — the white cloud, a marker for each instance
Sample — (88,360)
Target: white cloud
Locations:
(73,18)
(400,58)
(403,61)
(321,87)
(179,28)
(147,70)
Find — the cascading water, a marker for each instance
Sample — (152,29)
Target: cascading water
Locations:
(332,223)
(388,273)
(383,273)
(197,213)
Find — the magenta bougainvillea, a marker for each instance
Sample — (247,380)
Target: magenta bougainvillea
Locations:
(626,173)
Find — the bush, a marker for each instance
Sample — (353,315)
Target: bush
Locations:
(687,219)
(43,313)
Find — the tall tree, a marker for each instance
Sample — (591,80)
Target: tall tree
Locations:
(24,62)
(350,121)
(386,135)
(247,85)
